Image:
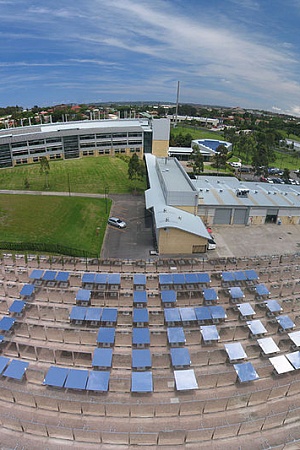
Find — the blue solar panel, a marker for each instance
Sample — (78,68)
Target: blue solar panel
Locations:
(6,323)
(49,275)
(251,275)
(180,357)
(228,277)
(98,381)
(191,278)
(141,382)
(76,379)
(139,279)
(284,321)
(16,369)
(2,338)
(56,376)
(245,372)
(202,313)
(36,274)
(62,277)
(83,295)
(109,315)
(217,312)
(106,335)
(240,276)
(294,359)
(169,296)
(78,313)
(236,293)
(100,278)
(273,306)
(3,363)
(210,295)
(261,290)
(165,278)
(203,278)
(187,314)
(88,277)
(114,278)
(235,351)
(178,278)
(140,336)
(246,309)
(256,327)
(27,290)
(102,357)
(17,306)
(176,335)
(140,315)
(140,297)
(93,314)
(172,315)
(213,145)
(141,359)
(209,333)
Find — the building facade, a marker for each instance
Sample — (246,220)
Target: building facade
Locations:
(68,140)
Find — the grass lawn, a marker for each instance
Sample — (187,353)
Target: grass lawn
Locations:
(69,221)
(197,133)
(89,174)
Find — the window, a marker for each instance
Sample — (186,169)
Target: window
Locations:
(87,136)
(52,140)
(18,144)
(37,142)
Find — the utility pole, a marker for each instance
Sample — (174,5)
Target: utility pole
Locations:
(177,100)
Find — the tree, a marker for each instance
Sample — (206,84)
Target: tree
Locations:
(197,160)
(133,167)
(45,169)
(286,175)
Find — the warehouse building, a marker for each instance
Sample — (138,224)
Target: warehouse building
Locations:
(25,145)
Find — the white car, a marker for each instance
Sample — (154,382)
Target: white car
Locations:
(236,164)
(116,222)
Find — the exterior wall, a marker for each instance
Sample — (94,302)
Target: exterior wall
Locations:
(175,241)
(190,209)
(160,148)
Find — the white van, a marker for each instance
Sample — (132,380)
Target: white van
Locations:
(211,245)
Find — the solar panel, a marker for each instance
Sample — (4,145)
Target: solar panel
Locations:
(256,327)
(36,274)
(49,275)
(83,295)
(56,376)
(187,314)
(172,315)
(88,278)
(140,336)
(227,277)
(210,295)
(178,279)
(273,306)
(2,338)
(100,278)
(16,369)
(217,312)
(93,314)
(109,315)
(295,337)
(76,379)
(203,278)
(185,380)
(236,292)
(191,278)
(268,345)
(180,357)
(281,364)
(240,276)
(209,333)
(176,335)
(262,290)
(285,322)
(245,372)
(165,278)
(140,297)
(294,359)
(139,279)
(3,363)
(202,313)
(246,309)
(235,351)
(78,313)
(251,275)
(114,278)
(6,323)
(141,359)
(106,335)
(140,315)
(17,306)
(169,296)
(141,382)
(62,277)
(98,381)
(102,357)
(27,290)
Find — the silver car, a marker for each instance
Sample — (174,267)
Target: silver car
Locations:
(115,222)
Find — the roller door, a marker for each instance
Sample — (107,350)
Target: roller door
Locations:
(222,216)
(240,216)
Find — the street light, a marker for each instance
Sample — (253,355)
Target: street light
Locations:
(106,191)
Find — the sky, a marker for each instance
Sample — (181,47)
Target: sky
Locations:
(232,53)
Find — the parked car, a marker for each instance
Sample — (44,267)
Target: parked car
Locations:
(237,165)
(116,222)
(211,245)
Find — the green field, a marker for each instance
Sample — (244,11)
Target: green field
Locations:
(197,133)
(89,174)
(74,222)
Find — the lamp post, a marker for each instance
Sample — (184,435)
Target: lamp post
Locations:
(106,191)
